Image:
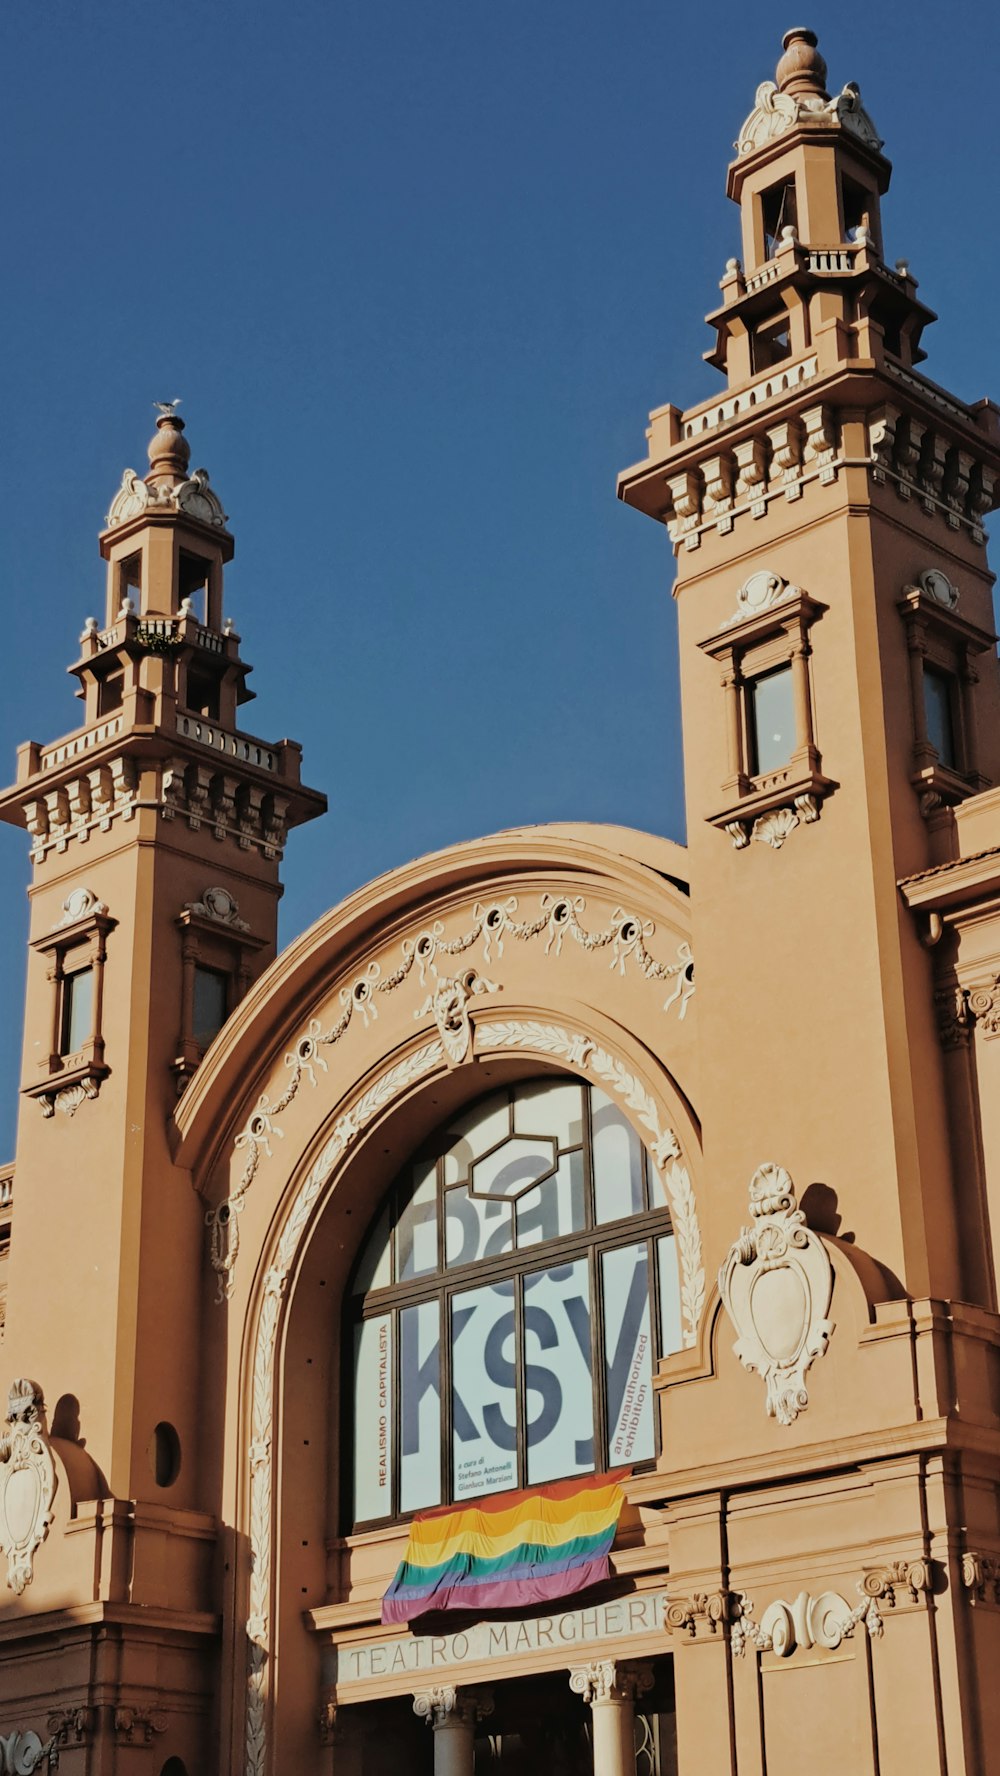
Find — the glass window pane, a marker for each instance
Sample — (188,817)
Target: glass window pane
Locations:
(938,703)
(420,1406)
(513,1166)
(772,721)
(559,1388)
(416,1227)
(210,988)
(374,1271)
(474,1228)
(555,1207)
(373,1419)
(671,1336)
(628,1354)
(550,1109)
(77,1010)
(484,1391)
(618,1162)
(475,1134)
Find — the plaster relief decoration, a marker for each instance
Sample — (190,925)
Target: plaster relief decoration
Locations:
(569,1045)
(82,903)
(776,1286)
(706,1611)
(21,1753)
(193,495)
(807,1622)
(776,112)
(559,919)
(606,1680)
(27,1482)
(449,1004)
(761,592)
(981,1576)
(218,905)
(938,588)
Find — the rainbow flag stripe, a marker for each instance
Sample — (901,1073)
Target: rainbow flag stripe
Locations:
(514,1549)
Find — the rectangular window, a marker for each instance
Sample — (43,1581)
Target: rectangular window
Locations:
(770,343)
(559,1388)
(484,1390)
(211,991)
(628,1355)
(110,693)
(939,709)
(771,720)
(130,580)
(202,695)
(778,210)
(373,1419)
(420,1406)
(77,1021)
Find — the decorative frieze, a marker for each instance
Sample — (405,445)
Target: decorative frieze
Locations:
(559,919)
(776,1286)
(824,1621)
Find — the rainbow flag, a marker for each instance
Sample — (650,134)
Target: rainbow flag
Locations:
(514,1549)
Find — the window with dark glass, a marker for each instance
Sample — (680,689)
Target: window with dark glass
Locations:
(939,707)
(778,210)
(770,342)
(509,1305)
(77,1011)
(771,720)
(211,997)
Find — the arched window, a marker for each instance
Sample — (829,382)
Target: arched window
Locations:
(509,1304)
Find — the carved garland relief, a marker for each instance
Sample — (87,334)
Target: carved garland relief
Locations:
(576,1050)
(559,918)
(776,1286)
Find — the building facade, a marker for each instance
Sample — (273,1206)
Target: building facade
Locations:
(469,1194)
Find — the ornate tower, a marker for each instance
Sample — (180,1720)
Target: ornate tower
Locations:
(157,828)
(839,683)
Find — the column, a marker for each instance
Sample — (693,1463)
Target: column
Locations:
(452,1715)
(610,1689)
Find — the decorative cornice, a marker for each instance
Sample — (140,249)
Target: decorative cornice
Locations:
(559,919)
(776,1286)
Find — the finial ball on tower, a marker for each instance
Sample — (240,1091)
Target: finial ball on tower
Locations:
(801,69)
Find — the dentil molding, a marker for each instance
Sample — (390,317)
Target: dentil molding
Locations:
(776,1286)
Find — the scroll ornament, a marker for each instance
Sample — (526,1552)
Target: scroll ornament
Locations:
(27,1482)
(776,1286)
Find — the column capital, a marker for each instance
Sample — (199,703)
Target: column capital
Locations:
(443,1705)
(609,1680)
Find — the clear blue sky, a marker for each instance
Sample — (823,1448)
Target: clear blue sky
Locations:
(419,272)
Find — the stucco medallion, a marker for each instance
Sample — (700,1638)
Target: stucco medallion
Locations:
(27,1482)
(776,1286)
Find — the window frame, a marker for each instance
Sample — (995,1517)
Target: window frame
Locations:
(761,638)
(447,1283)
(78,942)
(939,639)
